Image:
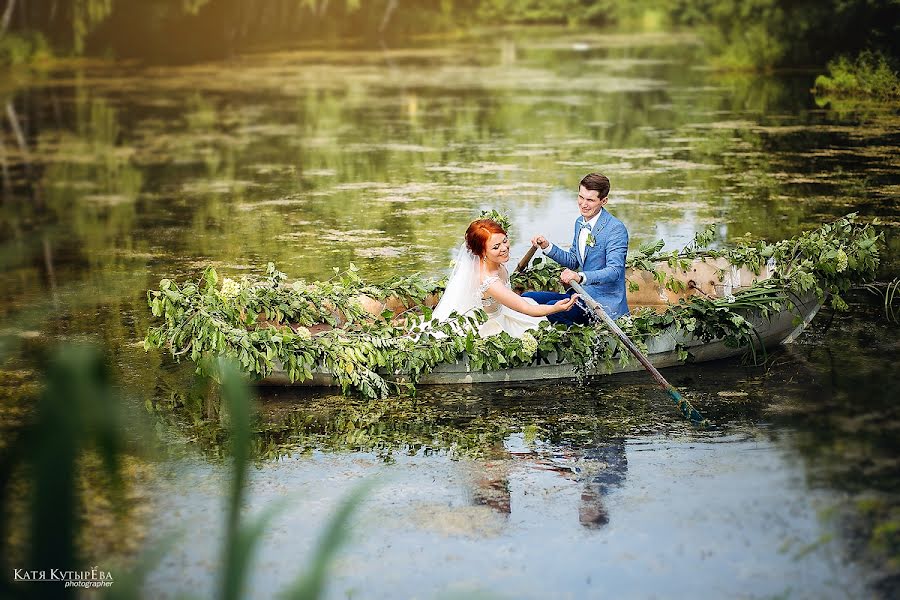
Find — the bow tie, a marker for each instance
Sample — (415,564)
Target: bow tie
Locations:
(585,224)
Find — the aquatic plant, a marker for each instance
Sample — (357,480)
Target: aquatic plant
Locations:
(869,74)
(77,414)
(80,412)
(889,293)
(241,537)
(264,322)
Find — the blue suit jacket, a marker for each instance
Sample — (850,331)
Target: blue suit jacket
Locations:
(603,264)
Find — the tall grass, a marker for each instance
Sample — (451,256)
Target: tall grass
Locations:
(890,293)
(80,411)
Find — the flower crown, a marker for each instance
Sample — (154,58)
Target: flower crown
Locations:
(498,217)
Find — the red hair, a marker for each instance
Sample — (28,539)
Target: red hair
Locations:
(478,234)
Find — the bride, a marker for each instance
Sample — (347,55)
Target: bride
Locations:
(480,280)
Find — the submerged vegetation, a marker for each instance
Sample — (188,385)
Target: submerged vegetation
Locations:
(264,322)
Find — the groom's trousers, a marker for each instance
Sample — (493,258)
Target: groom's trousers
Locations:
(573,316)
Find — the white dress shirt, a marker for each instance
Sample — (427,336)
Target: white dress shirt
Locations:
(582,239)
(583,235)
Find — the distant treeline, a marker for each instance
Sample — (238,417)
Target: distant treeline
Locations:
(740,33)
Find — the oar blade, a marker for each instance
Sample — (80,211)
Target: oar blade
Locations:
(690,413)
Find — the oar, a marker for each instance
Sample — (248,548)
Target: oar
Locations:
(687,410)
(525,260)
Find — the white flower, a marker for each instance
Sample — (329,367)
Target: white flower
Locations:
(529,344)
(230,288)
(841,260)
(730,298)
(303,333)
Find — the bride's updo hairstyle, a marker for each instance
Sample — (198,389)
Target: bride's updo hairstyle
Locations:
(478,234)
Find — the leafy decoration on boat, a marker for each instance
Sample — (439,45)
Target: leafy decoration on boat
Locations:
(264,322)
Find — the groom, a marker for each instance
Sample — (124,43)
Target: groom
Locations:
(596,259)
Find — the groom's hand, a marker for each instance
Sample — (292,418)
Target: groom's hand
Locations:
(540,241)
(568,276)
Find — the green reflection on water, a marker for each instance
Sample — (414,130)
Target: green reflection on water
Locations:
(471,423)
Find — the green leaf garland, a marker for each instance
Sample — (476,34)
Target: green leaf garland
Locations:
(263,322)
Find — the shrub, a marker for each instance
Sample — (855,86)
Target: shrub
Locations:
(869,74)
(18,49)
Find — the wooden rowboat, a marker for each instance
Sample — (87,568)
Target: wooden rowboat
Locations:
(710,278)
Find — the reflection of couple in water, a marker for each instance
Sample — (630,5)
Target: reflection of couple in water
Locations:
(599,468)
(596,260)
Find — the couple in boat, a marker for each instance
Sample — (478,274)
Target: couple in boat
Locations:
(596,260)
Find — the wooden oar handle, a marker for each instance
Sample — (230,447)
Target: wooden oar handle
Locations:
(525,260)
(617,331)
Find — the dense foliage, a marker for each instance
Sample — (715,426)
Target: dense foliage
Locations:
(264,322)
(748,34)
(767,33)
(869,74)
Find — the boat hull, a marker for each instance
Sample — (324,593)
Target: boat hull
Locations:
(780,328)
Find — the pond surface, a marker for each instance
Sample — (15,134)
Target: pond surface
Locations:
(315,158)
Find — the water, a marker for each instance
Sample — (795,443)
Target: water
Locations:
(316,158)
(523,527)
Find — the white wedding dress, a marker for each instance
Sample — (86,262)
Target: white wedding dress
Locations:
(465,292)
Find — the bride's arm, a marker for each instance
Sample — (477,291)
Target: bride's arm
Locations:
(510,299)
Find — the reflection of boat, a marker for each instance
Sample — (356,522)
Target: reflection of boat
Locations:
(712,279)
